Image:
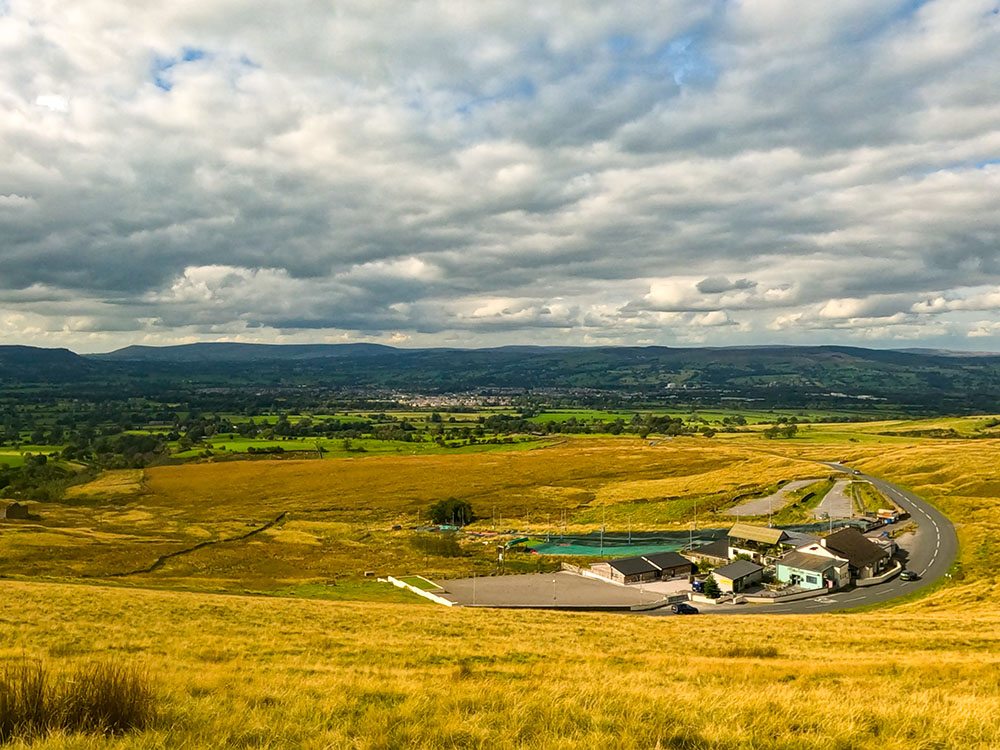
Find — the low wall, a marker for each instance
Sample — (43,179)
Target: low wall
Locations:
(669,599)
(420,592)
(786,598)
(895,571)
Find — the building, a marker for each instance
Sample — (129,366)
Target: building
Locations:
(13,511)
(812,571)
(714,553)
(738,575)
(865,558)
(644,568)
(759,543)
(671,564)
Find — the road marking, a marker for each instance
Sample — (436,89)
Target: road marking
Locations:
(855,599)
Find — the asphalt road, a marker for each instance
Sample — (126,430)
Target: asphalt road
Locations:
(930,554)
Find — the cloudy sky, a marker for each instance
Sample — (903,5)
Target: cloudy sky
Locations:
(441,173)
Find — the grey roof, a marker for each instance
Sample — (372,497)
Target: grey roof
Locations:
(737,569)
(630,566)
(805,561)
(718,548)
(801,539)
(663,560)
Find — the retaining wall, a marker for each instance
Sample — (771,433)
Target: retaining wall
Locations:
(862,582)
(420,592)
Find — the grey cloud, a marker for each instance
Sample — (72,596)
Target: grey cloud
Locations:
(719,284)
(507,169)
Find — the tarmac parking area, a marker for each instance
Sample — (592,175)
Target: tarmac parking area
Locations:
(561,590)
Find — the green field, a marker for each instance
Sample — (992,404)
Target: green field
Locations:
(11,459)
(356,447)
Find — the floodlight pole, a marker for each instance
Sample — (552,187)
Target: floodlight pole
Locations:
(603,526)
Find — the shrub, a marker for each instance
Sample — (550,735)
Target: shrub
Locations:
(750,652)
(109,697)
(104,697)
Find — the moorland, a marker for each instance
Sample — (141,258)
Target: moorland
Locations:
(266,631)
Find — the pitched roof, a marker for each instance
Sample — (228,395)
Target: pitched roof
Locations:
(737,569)
(805,561)
(718,549)
(851,544)
(801,539)
(664,560)
(761,534)
(630,566)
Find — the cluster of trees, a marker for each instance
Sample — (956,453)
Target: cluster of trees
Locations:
(641,425)
(37,479)
(452,512)
(781,431)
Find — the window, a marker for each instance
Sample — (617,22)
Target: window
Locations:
(812,579)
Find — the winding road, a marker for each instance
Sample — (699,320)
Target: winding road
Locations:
(929,553)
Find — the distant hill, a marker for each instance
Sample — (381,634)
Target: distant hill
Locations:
(790,376)
(238,352)
(30,363)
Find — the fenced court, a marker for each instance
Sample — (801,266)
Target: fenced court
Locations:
(620,544)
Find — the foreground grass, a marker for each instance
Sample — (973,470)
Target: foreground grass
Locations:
(274,673)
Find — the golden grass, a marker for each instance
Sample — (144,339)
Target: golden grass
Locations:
(340,513)
(288,673)
(117,483)
(253,672)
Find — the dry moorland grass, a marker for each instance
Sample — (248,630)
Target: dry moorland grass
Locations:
(279,673)
(340,513)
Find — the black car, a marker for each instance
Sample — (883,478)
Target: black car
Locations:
(683,609)
(908,575)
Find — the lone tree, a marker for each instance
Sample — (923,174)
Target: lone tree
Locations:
(452,511)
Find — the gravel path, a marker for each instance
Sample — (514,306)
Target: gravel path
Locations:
(777,501)
(837,503)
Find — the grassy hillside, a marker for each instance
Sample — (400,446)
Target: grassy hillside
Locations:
(285,671)
(265,673)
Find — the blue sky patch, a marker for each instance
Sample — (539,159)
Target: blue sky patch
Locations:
(161,67)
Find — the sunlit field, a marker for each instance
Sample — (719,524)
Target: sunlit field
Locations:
(321,656)
(274,673)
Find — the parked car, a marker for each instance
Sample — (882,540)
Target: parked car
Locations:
(908,575)
(683,609)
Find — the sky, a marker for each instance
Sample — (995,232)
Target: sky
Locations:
(420,173)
